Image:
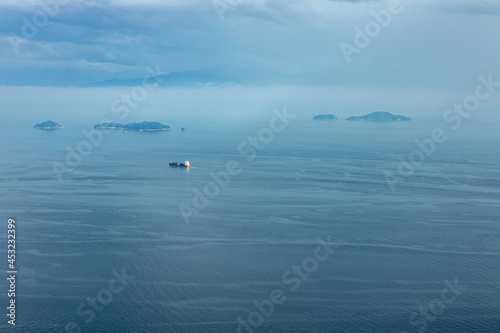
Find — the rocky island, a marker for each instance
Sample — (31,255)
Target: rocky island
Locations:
(146,126)
(323,117)
(48,125)
(379,117)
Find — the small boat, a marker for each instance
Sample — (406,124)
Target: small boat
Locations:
(183,129)
(180,165)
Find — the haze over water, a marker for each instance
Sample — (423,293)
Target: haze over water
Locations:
(119,210)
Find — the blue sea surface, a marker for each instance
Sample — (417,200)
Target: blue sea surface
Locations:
(394,252)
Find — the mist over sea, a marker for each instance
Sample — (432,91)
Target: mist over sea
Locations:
(395,254)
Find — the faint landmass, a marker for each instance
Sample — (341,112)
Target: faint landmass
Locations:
(323,117)
(48,125)
(379,117)
(144,126)
(215,76)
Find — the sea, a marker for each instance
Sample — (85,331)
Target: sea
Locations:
(280,225)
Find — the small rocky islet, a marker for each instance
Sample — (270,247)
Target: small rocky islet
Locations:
(48,125)
(325,117)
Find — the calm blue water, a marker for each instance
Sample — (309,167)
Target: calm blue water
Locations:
(119,210)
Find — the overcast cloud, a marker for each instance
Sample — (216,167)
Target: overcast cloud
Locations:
(439,43)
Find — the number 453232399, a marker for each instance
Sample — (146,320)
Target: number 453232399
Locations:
(11,247)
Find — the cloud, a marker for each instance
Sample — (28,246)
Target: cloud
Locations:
(109,39)
(471,7)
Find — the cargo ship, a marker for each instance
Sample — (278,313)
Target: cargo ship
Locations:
(180,165)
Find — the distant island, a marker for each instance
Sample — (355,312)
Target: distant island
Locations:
(325,117)
(379,117)
(144,126)
(48,125)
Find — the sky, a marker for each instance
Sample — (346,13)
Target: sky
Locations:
(420,49)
